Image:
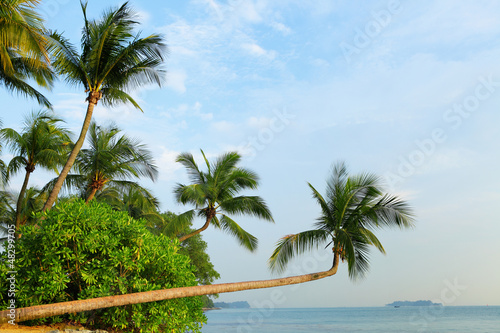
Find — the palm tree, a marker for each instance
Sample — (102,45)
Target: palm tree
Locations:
(113,60)
(110,160)
(7,213)
(141,204)
(138,202)
(351,210)
(23,49)
(42,142)
(352,207)
(32,203)
(214,195)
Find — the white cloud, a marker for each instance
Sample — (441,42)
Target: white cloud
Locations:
(143,16)
(167,167)
(176,81)
(281,28)
(72,106)
(185,110)
(320,62)
(447,160)
(258,123)
(224,126)
(438,23)
(256,50)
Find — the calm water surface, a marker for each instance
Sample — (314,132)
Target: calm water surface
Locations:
(375,320)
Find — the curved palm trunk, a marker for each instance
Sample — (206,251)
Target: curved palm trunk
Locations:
(91,195)
(92,99)
(48,310)
(20,201)
(196,232)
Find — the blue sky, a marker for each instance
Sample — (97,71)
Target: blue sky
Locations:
(407,90)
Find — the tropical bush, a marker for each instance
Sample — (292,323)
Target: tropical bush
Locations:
(84,251)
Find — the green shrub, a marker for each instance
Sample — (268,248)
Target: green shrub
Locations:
(86,251)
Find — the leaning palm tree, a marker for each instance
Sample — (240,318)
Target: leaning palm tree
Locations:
(23,49)
(111,160)
(352,207)
(113,59)
(42,142)
(351,210)
(214,194)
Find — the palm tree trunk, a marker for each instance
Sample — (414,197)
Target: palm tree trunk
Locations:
(91,195)
(196,232)
(48,310)
(76,149)
(20,201)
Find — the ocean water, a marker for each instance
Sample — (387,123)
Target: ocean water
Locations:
(433,319)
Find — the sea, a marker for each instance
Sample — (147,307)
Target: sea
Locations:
(411,319)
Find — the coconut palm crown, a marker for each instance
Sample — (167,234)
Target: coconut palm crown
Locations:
(113,60)
(352,208)
(111,160)
(24,49)
(215,195)
(43,142)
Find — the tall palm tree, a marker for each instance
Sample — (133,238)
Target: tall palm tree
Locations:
(42,142)
(23,49)
(110,160)
(113,59)
(214,194)
(351,208)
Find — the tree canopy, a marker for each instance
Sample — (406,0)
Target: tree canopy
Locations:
(89,250)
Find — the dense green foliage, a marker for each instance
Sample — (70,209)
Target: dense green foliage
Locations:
(83,251)
(195,248)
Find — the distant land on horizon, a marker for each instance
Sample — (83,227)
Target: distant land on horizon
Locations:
(232,305)
(413,303)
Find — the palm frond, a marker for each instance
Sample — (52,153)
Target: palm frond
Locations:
(179,223)
(245,239)
(194,173)
(247,205)
(193,194)
(290,246)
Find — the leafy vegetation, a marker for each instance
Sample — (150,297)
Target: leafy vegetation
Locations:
(89,250)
